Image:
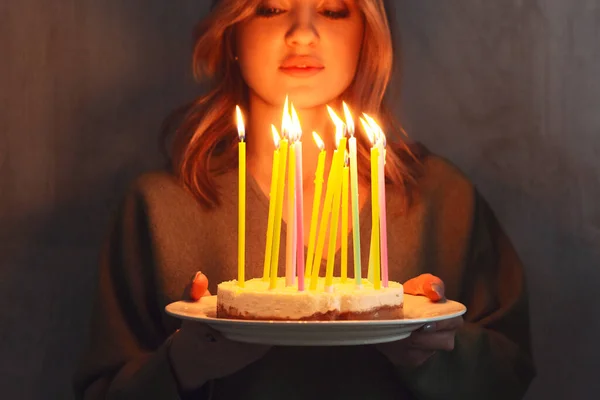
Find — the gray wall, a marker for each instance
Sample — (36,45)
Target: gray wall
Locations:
(507,90)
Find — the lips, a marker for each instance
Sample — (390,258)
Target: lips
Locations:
(302,66)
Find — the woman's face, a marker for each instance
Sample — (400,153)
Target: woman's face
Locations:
(307,49)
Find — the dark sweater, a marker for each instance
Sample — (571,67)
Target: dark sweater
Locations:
(161,237)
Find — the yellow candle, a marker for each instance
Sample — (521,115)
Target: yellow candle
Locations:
(283,148)
(291,207)
(324,221)
(335,220)
(272,204)
(316,205)
(371,255)
(344,235)
(241,198)
(375,216)
(374,259)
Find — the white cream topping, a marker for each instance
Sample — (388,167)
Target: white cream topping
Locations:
(256,299)
(368,298)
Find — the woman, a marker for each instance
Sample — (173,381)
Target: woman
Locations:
(318,52)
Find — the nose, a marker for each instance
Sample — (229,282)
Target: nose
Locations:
(303,32)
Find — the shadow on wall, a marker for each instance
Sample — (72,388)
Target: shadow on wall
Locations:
(89,89)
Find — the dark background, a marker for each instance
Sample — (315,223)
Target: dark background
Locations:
(507,89)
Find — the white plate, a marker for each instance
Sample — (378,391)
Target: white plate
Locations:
(418,311)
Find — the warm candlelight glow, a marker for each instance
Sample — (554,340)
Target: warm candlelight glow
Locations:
(368,130)
(286,120)
(349,120)
(375,129)
(240,123)
(276,137)
(295,127)
(339,126)
(336,120)
(318,141)
(288,125)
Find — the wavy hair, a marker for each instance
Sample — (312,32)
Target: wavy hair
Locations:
(204,142)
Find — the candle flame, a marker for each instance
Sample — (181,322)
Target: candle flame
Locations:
(378,134)
(346,158)
(339,126)
(336,120)
(318,141)
(296,128)
(349,120)
(286,120)
(368,130)
(240,124)
(276,138)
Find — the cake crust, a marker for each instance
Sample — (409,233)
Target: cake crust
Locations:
(381,313)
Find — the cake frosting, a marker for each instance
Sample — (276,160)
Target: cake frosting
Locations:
(343,301)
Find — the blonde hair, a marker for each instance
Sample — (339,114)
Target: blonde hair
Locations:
(203,132)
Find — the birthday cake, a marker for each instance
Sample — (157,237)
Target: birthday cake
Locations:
(344,301)
(328,298)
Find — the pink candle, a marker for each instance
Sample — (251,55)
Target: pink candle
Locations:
(298,233)
(294,240)
(382,212)
(299,217)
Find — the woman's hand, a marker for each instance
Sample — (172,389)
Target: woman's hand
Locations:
(199,353)
(431,338)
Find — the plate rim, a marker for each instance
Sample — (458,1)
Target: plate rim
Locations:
(241,322)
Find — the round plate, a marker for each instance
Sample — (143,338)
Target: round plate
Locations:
(418,311)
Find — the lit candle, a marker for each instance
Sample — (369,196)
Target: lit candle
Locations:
(290,255)
(354,194)
(383,212)
(332,180)
(283,148)
(344,235)
(272,205)
(299,214)
(241,198)
(316,204)
(381,144)
(336,170)
(370,276)
(374,262)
